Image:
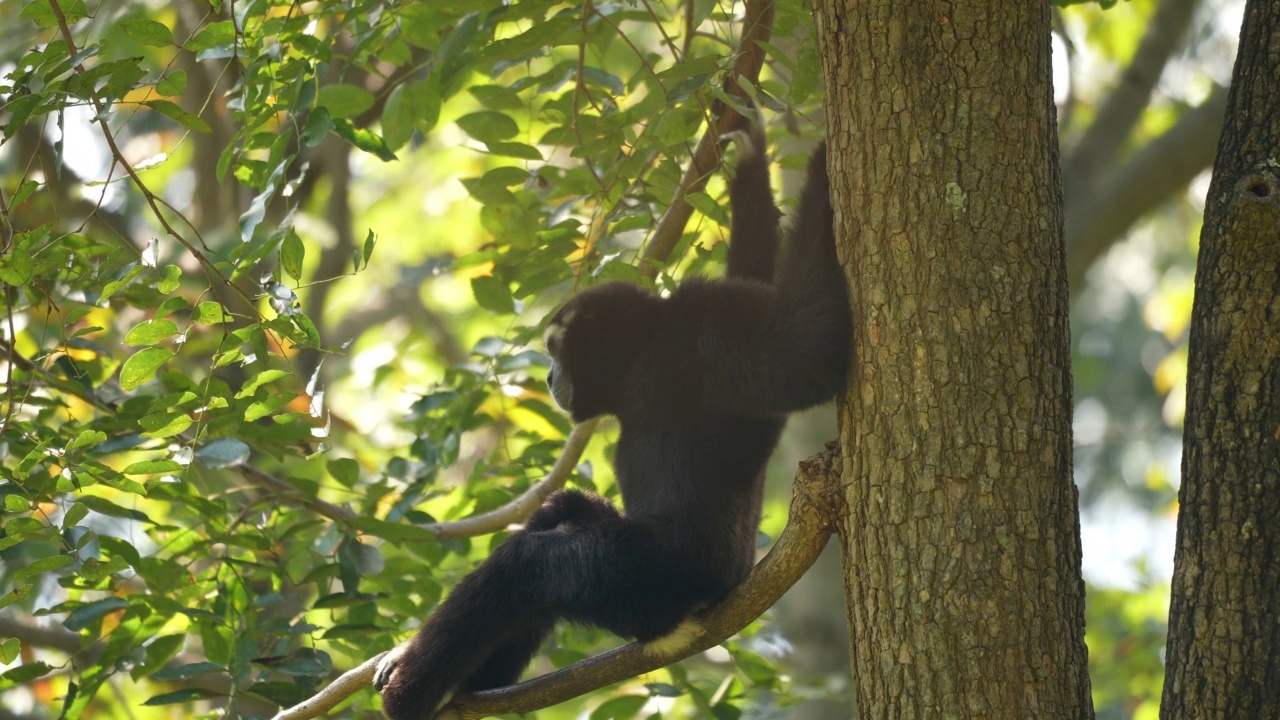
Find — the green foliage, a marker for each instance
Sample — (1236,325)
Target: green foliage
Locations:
(210,475)
(1126,637)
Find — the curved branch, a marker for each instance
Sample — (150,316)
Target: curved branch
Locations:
(815,508)
(521,507)
(1098,214)
(1124,105)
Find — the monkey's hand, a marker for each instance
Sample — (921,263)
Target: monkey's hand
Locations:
(387,666)
(749,138)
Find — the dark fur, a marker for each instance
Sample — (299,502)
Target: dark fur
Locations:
(701,383)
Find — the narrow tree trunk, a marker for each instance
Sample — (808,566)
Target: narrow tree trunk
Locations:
(962,552)
(1224,621)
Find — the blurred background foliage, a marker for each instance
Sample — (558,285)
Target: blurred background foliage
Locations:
(274,281)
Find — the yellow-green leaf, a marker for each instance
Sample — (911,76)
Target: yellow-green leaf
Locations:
(139,369)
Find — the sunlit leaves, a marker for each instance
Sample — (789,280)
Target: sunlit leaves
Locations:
(184,118)
(141,493)
(492,294)
(488,126)
(344,101)
(223,452)
(366,140)
(292,252)
(15,267)
(141,367)
(150,332)
(91,612)
(414,105)
(214,36)
(173,83)
(148,32)
(40,12)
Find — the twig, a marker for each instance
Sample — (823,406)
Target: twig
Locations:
(523,506)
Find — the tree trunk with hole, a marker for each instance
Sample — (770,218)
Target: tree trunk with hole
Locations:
(1223,656)
(961,543)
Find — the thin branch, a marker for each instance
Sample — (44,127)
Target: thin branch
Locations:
(283,491)
(815,508)
(521,507)
(1095,216)
(54,637)
(1124,105)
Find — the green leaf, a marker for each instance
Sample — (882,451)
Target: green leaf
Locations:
(9,650)
(366,252)
(179,697)
(87,438)
(172,305)
(125,276)
(366,140)
(319,123)
(449,56)
(23,674)
(15,267)
(44,565)
(171,110)
(620,708)
(15,503)
(74,515)
(24,192)
(344,101)
(213,35)
(139,369)
(211,312)
(150,332)
(223,452)
(85,615)
(218,642)
(263,408)
(497,97)
(396,532)
(148,32)
(160,651)
(285,694)
(515,150)
(344,470)
(163,425)
(492,294)
(172,279)
(104,506)
(488,126)
(151,467)
(39,12)
(259,380)
(292,252)
(411,105)
(188,671)
(173,84)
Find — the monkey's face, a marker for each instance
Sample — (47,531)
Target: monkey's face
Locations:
(593,343)
(558,381)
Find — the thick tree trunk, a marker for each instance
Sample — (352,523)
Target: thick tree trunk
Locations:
(1224,621)
(962,552)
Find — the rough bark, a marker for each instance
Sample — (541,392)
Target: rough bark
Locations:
(1224,620)
(962,553)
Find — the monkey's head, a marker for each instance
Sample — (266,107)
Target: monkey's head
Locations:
(593,342)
